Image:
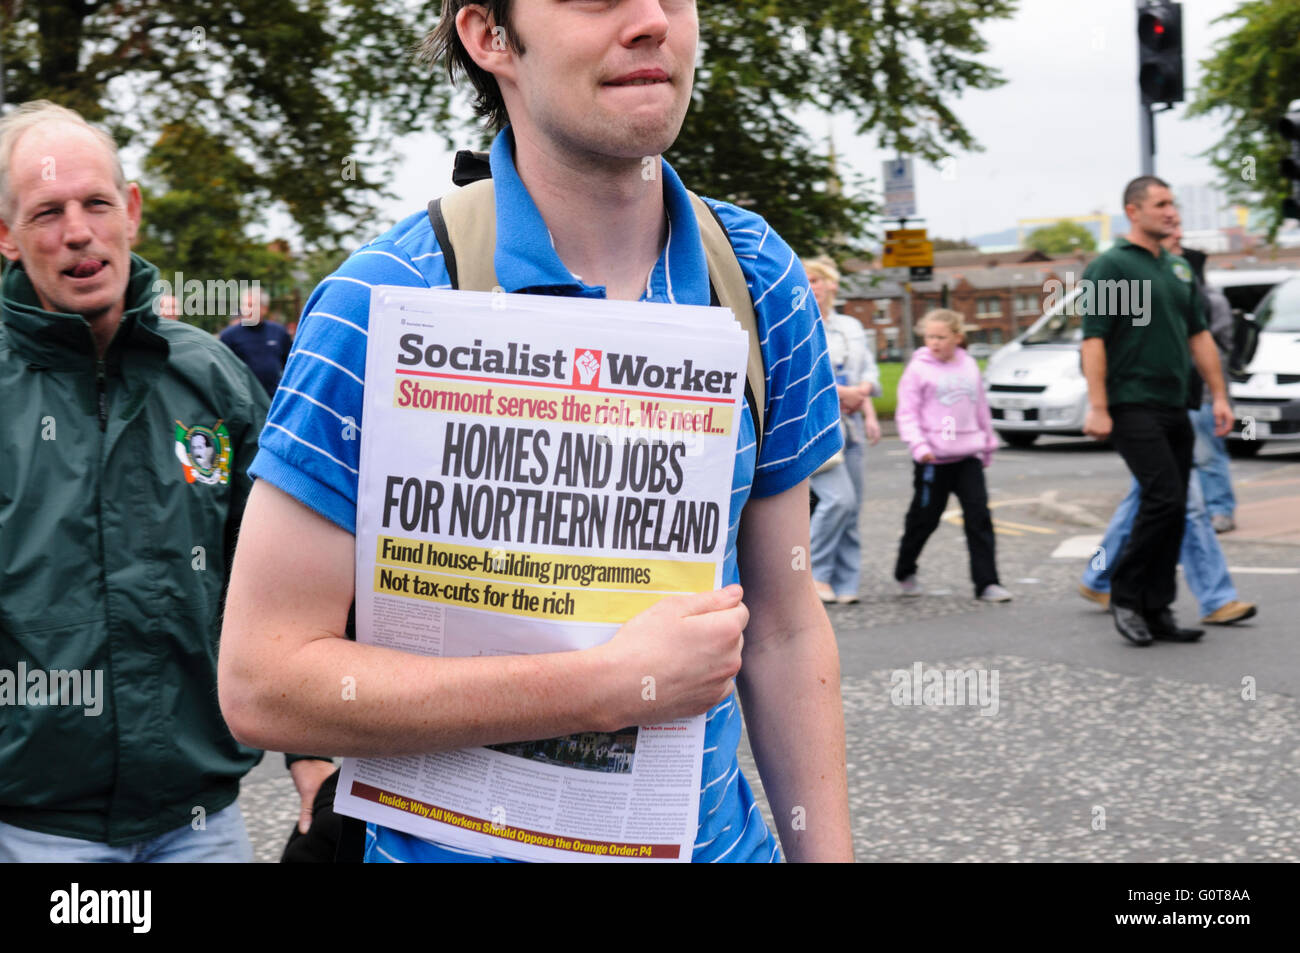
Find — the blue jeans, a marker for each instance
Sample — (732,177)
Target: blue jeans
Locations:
(222,840)
(1210,457)
(1204,567)
(836,550)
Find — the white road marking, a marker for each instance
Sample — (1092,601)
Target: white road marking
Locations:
(1078,547)
(1265,570)
(1266,474)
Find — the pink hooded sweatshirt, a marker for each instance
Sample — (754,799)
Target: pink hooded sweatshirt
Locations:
(942,409)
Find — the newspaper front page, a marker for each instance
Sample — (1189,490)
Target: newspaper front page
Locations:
(534,472)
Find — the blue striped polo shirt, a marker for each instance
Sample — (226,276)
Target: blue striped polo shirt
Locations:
(310,447)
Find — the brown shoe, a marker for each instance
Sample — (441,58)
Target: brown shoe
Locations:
(1101,598)
(1234,611)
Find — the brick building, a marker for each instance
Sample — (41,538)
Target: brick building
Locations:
(999,294)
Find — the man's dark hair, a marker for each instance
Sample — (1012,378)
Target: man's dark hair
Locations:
(1135,192)
(443,42)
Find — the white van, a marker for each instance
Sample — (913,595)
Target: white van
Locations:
(1266,397)
(1035,383)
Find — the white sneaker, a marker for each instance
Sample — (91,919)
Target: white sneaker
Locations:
(910,586)
(995,593)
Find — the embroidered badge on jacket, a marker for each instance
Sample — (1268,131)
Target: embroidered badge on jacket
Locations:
(204,453)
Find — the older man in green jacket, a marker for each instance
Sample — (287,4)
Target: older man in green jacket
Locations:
(124,445)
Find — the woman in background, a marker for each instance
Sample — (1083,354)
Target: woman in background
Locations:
(836,555)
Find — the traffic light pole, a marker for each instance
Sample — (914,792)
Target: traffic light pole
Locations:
(1147,137)
(1146,126)
(1160,70)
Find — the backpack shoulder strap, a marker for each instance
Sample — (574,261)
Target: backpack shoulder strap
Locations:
(729,285)
(465,224)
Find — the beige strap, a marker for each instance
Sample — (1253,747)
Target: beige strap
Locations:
(733,292)
(471,219)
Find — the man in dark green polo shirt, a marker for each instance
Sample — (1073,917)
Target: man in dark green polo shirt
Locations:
(1142,319)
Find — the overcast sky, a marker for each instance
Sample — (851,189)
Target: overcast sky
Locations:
(1060,137)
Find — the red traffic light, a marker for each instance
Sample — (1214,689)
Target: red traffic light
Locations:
(1156,31)
(1160,52)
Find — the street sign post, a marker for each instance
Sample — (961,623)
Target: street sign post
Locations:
(907,248)
(900,189)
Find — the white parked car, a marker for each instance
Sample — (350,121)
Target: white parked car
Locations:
(1035,383)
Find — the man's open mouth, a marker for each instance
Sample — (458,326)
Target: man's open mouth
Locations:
(86,269)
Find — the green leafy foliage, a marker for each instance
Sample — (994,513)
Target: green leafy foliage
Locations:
(289,104)
(1249,80)
(1061,239)
(895,67)
(294,88)
(197,220)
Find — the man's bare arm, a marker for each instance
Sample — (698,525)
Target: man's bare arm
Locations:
(789,683)
(851,398)
(1206,355)
(1093,354)
(289,681)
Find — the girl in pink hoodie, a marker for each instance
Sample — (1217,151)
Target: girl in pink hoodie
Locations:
(944,418)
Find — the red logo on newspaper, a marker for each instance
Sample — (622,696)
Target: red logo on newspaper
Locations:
(586,369)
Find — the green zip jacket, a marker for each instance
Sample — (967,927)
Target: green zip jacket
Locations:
(122,483)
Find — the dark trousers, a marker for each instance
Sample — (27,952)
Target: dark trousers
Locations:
(332,837)
(1156,444)
(931,483)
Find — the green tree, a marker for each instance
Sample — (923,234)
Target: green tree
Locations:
(197,221)
(1061,239)
(297,90)
(953,244)
(1249,80)
(896,68)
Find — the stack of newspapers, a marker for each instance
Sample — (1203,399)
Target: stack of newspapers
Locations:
(535,471)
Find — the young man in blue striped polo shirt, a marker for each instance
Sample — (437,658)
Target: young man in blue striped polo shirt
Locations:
(584,92)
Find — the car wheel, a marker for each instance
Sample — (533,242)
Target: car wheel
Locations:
(1244,448)
(1016,438)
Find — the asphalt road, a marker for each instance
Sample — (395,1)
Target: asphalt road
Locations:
(1098,750)
(1085,748)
